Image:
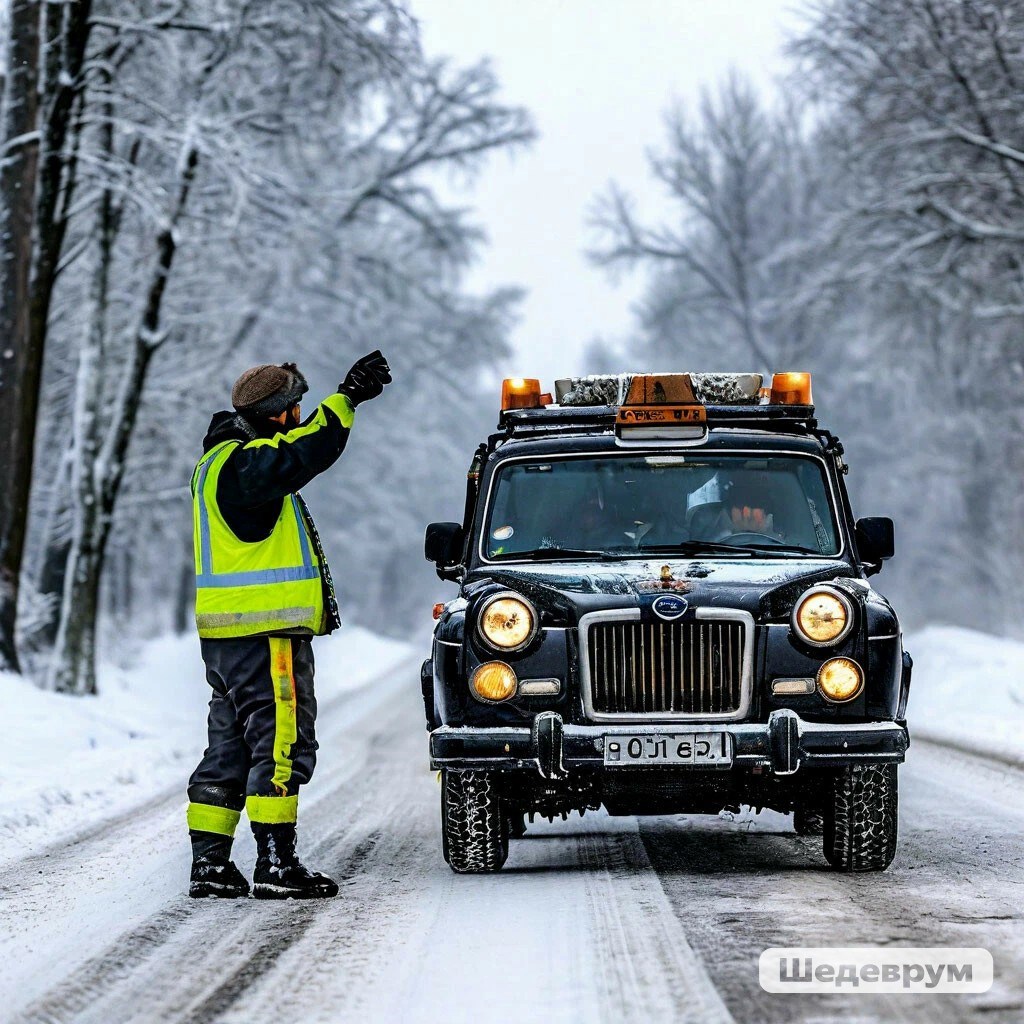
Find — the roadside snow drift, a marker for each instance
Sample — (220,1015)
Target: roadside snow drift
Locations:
(69,761)
(967,689)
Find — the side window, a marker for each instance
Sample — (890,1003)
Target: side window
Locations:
(823,529)
(501,515)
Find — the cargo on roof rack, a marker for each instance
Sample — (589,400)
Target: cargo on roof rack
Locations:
(662,407)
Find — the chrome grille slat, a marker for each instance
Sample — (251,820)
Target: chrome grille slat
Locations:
(715,665)
(633,660)
(666,668)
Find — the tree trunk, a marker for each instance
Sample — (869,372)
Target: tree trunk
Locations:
(67,38)
(73,664)
(50,584)
(100,469)
(53,556)
(20,355)
(40,174)
(72,668)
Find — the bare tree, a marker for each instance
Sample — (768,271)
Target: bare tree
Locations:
(871,232)
(20,355)
(738,197)
(332,171)
(922,101)
(38,188)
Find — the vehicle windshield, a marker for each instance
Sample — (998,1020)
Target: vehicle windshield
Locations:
(614,505)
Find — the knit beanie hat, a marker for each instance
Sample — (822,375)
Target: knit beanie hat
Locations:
(268,390)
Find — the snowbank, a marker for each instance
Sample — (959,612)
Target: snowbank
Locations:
(968,689)
(69,761)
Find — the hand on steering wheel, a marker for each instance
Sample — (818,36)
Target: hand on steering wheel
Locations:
(754,535)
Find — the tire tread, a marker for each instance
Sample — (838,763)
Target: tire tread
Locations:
(860,825)
(475,825)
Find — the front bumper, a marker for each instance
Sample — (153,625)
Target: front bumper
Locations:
(783,744)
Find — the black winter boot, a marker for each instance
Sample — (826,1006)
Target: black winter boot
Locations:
(279,874)
(213,874)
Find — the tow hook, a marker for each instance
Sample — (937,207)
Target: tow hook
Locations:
(547,745)
(784,741)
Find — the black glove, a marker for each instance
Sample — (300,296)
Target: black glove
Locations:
(366,379)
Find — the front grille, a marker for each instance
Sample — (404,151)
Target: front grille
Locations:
(666,668)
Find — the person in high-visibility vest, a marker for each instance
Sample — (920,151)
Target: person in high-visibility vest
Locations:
(263,590)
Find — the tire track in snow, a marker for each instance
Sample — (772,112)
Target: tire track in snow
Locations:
(191,961)
(575,928)
(957,881)
(647,963)
(158,938)
(88,985)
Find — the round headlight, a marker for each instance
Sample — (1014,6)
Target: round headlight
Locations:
(840,679)
(507,622)
(494,681)
(823,616)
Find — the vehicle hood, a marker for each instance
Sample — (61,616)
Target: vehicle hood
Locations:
(562,592)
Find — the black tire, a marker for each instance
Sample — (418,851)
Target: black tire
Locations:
(808,821)
(473,822)
(860,818)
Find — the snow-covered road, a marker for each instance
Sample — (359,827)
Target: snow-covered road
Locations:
(594,919)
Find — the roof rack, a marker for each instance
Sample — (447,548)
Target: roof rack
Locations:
(553,420)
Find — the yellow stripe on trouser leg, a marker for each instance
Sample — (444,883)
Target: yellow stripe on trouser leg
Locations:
(281,809)
(285,728)
(272,810)
(210,818)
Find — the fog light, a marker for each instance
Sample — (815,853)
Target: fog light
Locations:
(840,679)
(494,681)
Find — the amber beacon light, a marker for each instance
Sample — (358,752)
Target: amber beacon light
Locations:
(520,393)
(791,389)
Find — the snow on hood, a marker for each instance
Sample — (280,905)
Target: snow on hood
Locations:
(579,587)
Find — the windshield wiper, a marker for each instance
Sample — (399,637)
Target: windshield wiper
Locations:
(696,547)
(794,549)
(599,556)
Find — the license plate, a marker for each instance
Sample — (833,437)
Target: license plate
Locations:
(713,748)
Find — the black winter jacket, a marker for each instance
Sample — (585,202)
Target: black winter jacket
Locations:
(254,481)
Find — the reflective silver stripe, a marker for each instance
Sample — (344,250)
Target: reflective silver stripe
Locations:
(300,522)
(205,555)
(256,577)
(206,577)
(279,616)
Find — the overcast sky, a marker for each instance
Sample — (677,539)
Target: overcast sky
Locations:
(597,76)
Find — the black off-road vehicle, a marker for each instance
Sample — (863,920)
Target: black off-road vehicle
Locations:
(664,608)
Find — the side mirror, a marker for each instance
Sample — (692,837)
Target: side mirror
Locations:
(876,542)
(443,543)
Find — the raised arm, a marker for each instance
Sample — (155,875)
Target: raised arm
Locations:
(271,467)
(268,468)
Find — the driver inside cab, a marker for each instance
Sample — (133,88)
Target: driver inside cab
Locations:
(743,508)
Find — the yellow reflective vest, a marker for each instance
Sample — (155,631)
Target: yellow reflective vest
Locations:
(247,588)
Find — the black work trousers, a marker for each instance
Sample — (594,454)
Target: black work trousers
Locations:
(262,743)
